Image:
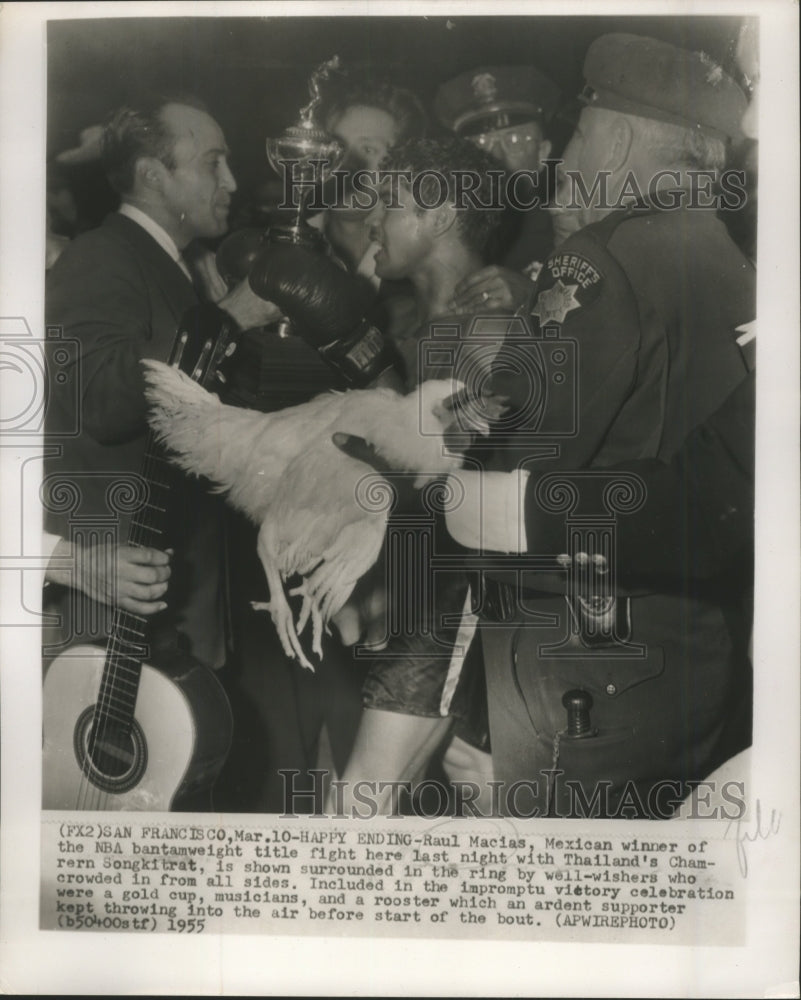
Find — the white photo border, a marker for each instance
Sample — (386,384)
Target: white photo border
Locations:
(32,961)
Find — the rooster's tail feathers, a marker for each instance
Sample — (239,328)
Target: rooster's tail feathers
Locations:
(186,418)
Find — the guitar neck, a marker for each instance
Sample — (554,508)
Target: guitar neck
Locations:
(127,645)
(150,522)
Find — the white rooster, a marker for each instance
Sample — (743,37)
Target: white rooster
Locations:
(284,472)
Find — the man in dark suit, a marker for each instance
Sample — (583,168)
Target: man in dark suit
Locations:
(117,295)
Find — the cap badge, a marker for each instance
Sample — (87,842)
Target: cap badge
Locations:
(484,86)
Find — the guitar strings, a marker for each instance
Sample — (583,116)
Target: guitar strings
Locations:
(91,794)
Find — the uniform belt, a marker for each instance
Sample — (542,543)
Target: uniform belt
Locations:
(599,624)
(502,589)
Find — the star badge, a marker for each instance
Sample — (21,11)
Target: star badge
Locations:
(555,303)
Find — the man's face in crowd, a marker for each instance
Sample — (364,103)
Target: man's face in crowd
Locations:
(585,155)
(404,233)
(197,191)
(517,147)
(367,134)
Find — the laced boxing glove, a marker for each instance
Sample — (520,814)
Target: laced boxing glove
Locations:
(326,306)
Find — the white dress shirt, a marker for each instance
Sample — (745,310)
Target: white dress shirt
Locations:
(160,235)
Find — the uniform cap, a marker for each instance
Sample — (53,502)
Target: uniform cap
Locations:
(654,79)
(493,97)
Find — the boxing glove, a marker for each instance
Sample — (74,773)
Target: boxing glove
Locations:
(237,252)
(326,306)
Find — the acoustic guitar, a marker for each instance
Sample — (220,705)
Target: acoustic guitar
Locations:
(121,733)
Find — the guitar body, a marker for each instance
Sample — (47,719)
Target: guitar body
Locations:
(167,760)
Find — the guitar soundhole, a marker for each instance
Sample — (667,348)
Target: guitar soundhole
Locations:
(113,760)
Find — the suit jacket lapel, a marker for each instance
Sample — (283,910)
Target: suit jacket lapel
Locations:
(162,271)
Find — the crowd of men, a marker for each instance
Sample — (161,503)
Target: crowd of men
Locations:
(589,648)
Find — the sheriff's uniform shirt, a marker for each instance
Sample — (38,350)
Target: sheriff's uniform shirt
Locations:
(634,343)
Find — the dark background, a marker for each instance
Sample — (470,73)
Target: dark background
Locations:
(253,72)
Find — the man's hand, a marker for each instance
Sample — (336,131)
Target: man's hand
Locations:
(494,288)
(203,265)
(247,309)
(131,578)
(359,449)
(406,485)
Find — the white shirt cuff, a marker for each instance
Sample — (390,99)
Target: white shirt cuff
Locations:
(491,514)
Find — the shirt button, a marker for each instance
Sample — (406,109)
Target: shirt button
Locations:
(611,689)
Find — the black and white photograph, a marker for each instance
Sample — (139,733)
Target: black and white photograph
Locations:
(400,540)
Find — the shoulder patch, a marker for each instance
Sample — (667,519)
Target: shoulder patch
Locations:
(568,281)
(576,267)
